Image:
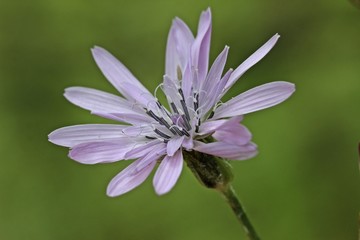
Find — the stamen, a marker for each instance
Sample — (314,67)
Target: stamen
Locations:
(186,111)
(181,93)
(197,128)
(185,133)
(196,101)
(163,108)
(174,108)
(160,120)
(186,122)
(211,114)
(179,73)
(161,134)
(178,131)
(148,137)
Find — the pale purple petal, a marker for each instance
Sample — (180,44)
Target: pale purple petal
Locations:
(215,95)
(128,179)
(171,91)
(74,135)
(256,99)
(219,89)
(215,72)
(188,143)
(187,82)
(226,150)
(142,150)
(132,118)
(251,61)
(151,157)
(233,132)
(117,73)
(173,145)
(178,49)
(201,47)
(144,98)
(99,101)
(168,173)
(101,152)
(211,126)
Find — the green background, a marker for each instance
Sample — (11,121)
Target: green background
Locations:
(304,184)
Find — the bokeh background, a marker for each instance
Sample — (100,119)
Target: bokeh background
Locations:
(304,184)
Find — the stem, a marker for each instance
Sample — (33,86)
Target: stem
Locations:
(230,195)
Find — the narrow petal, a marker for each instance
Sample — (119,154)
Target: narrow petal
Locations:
(100,152)
(201,47)
(152,156)
(128,179)
(144,98)
(168,173)
(178,49)
(74,135)
(188,143)
(117,73)
(132,118)
(256,99)
(233,132)
(215,95)
(215,72)
(211,126)
(142,150)
(173,145)
(99,101)
(226,150)
(252,60)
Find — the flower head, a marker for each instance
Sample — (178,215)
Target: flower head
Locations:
(154,133)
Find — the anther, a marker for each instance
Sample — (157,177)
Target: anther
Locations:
(161,134)
(178,131)
(186,122)
(185,133)
(186,111)
(148,137)
(174,108)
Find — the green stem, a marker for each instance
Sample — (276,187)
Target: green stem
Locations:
(230,195)
(215,173)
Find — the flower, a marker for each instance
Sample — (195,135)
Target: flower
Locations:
(157,134)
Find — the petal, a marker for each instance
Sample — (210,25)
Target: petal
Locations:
(233,132)
(211,126)
(101,152)
(168,173)
(74,135)
(188,143)
(226,150)
(99,101)
(215,72)
(173,145)
(252,60)
(132,118)
(144,98)
(178,49)
(201,47)
(128,179)
(151,157)
(145,149)
(215,95)
(256,99)
(116,72)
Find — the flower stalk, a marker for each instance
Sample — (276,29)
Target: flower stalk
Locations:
(214,172)
(230,195)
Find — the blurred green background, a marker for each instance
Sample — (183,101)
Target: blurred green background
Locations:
(304,184)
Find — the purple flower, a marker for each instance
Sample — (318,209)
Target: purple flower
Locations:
(155,133)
